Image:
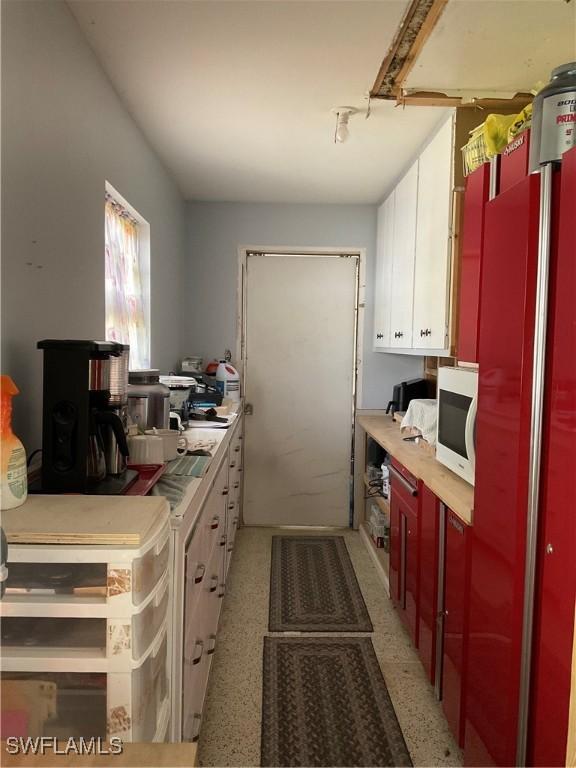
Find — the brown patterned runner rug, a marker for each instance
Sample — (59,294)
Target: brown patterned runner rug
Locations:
(325,703)
(313,587)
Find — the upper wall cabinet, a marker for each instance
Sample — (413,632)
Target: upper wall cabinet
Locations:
(403,251)
(384,272)
(416,249)
(433,238)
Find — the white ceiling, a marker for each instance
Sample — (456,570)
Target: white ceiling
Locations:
(496,47)
(235,96)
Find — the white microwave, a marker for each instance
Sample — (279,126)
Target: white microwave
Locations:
(455,437)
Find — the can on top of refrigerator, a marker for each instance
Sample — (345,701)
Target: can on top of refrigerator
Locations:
(554,117)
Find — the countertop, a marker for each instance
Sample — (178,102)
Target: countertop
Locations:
(200,487)
(456,493)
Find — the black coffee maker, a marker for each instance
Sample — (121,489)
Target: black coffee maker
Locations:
(77,413)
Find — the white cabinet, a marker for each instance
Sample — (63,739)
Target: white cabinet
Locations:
(404,240)
(384,251)
(207,560)
(431,274)
(413,259)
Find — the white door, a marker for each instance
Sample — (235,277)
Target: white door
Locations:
(299,360)
(432,274)
(404,240)
(383,285)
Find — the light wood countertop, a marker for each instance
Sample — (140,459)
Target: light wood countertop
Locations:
(456,493)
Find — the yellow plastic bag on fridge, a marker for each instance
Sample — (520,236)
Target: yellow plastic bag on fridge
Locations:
(522,121)
(496,133)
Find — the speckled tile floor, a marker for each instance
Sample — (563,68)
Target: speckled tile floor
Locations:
(230,733)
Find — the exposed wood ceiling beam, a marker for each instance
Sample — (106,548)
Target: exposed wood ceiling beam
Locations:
(415,28)
(413,32)
(434,99)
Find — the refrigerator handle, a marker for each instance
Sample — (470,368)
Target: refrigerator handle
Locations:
(538,382)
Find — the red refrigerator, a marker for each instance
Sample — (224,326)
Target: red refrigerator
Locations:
(523,576)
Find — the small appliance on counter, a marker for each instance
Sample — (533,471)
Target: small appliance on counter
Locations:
(148,400)
(115,455)
(180,389)
(406,391)
(455,438)
(84,447)
(191,365)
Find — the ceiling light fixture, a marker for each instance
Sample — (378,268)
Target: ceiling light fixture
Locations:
(341,131)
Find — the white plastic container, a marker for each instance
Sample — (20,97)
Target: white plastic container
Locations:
(228,381)
(86,701)
(385,481)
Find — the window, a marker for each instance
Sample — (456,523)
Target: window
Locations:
(127,278)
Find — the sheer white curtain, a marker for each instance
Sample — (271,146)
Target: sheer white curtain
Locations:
(125,297)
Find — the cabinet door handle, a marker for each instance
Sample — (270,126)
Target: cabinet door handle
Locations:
(213,584)
(231,547)
(236,485)
(222,591)
(231,506)
(410,488)
(425,332)
(222,541)
(237,449)
(232,465)
(215,522)
(212,640)
(195,729)
(225,491)
(200,573)
(379,335)
(198,652)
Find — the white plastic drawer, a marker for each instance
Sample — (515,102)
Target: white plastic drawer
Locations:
(147,623)
(69,581)
(148,570)
(149,691)
(112,638)
(59,704)
(78,579)
(64,704)
(50,633)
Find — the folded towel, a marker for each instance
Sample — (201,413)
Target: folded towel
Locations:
(422,415)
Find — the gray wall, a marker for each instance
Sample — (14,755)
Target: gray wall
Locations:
(216,230)
(64,133)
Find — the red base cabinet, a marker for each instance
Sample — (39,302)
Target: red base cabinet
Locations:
(394,563)
(404,557)
(428,603)
(455,635)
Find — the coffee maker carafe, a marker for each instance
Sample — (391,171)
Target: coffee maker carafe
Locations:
(78,417)
(115,447)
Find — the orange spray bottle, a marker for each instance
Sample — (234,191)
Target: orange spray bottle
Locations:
(13,473)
